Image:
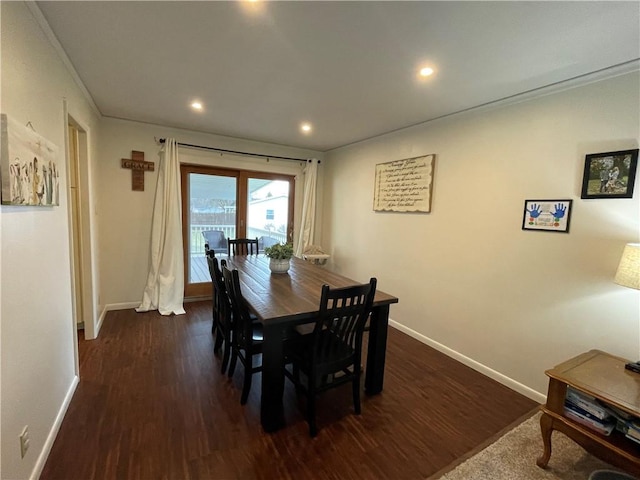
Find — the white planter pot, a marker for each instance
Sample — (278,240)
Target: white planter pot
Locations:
(279,265)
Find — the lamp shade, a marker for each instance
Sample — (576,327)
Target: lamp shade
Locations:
(628,273)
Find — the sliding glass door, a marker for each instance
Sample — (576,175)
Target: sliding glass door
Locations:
(268,205)
(218,204)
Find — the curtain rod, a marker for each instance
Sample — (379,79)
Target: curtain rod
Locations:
(215,149)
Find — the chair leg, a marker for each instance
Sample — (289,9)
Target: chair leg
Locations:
(213,321)
(356,394)
(218,342)
(296,378)
(311,415)
(311,405)
(234,361)
(227,353)
(246,385)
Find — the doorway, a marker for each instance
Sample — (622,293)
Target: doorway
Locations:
(76,234)
(78,191)
(220,204)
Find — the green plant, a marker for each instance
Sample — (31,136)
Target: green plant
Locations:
(279,251)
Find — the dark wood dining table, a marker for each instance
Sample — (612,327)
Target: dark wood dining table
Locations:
(282,301)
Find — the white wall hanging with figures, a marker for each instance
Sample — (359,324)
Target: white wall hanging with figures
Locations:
(29,166)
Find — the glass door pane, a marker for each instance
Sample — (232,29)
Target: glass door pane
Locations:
(218,204)
(268,211)
(211,219)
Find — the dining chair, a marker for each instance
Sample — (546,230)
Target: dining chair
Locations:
(222,310)
(247,335)
(211,257)
(265,241)
(242,246)
(214,240)
(331,354)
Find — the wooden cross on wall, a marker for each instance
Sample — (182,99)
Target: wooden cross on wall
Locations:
(138,166)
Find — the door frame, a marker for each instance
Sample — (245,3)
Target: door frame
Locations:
(82,244)
(192,290)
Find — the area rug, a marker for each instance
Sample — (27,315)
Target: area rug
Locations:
(513,457)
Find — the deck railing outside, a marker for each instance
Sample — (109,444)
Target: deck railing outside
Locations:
(259,232)
(198,270)
(197,240)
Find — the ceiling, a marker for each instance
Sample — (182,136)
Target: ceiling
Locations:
(348,68)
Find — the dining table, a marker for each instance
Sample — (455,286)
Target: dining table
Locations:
(281,301)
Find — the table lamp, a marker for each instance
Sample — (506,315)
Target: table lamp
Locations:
(628,275)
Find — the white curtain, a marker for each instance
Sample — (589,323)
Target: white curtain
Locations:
(165,284)
(307,222)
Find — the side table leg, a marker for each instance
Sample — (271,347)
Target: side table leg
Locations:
(546,428)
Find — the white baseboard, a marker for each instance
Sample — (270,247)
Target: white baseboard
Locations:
(53,433)
(115,306)
(121,306)
(469,362)
(126,305)
(99,324)
(197,299)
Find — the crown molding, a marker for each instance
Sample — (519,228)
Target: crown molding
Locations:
(569,84)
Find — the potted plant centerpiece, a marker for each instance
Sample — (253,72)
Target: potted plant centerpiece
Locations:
(279,257)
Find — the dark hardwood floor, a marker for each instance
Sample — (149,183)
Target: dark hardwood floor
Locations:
(152,404)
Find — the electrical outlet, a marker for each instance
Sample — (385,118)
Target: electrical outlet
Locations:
(24,441)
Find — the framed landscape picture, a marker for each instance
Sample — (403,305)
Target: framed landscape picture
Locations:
(547,215)
(610,174)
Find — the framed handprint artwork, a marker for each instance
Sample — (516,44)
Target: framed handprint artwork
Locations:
(547,215)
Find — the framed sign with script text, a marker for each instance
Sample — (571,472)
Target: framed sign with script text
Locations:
(404,185)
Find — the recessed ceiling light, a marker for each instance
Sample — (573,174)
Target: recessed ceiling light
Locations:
(305,127)
(196,105)
(426,71)
(253,7)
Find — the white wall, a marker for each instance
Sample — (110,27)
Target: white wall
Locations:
(125,215)
(469,280)
(38,370)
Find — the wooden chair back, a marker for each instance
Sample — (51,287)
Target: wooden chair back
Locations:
(223,302)
(247,335)
(221,307)
(243,323)
(242,246)
(340,323)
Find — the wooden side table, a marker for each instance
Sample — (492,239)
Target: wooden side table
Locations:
(604,377)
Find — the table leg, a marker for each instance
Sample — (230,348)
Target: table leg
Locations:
(546,427)
(376,350)
(271,407)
